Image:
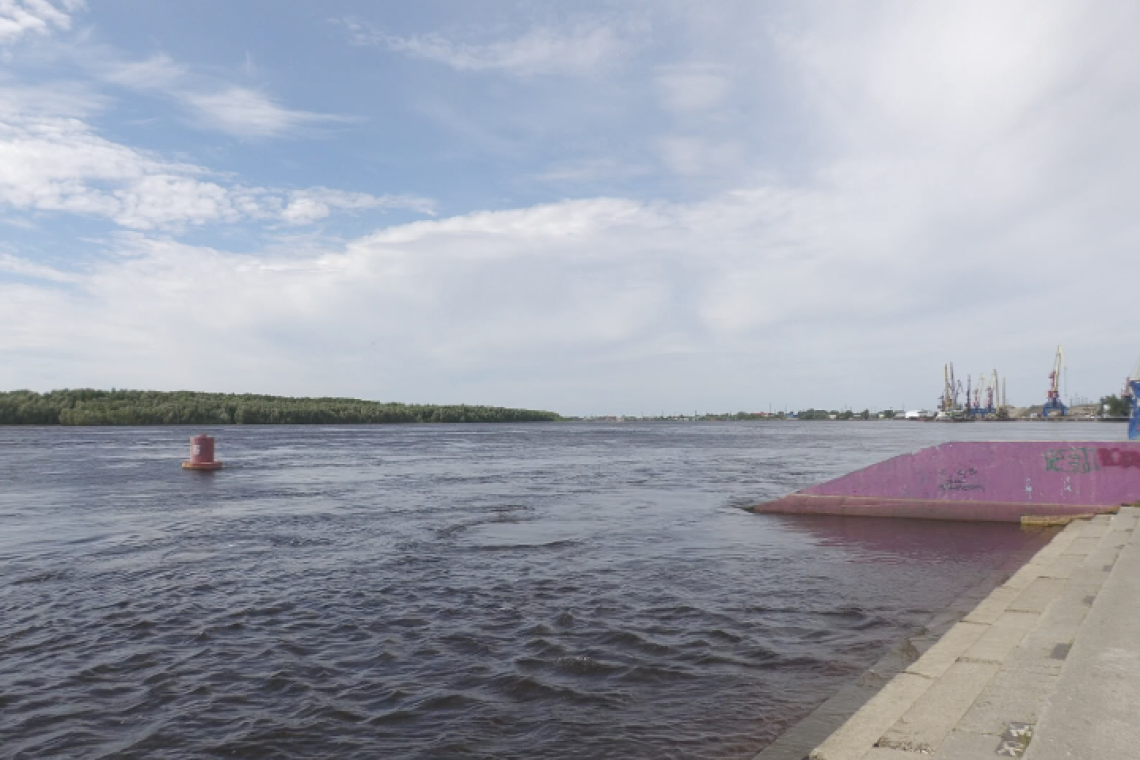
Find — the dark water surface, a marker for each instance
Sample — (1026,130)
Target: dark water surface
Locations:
(552,591)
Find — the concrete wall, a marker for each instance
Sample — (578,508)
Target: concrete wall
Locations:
(1090,473)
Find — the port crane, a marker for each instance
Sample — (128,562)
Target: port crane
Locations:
(1128,382)
(1053,395)
(985,395)
(993,399)
(950,389)
(981,399)
(1132,392)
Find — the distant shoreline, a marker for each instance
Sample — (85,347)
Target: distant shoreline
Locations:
(88,407)
(94,408)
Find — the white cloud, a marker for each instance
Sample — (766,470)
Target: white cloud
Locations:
(305,211)
(312,204)
(158,72)
(592,170)
(697,155)
(784,281)
(59,99)
(967,195)
(20,17)
(231,109)
(539,51)
(15,265)
(60,164)
(694,87)
(248,113)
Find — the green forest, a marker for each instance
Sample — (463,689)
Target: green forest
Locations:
(120,407)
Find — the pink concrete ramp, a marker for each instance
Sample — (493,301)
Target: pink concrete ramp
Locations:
(999,482)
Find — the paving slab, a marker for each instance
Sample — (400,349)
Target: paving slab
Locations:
(946,652)
(923,642)
(1096,528)
(797,741)
(938,710)
(1105,556)
(882,753)
(1002,636)
(966,746)
(993,605)
(1046,666)
(1091,575)
(1125,520)
(1044,648)
(855,738)
(1011,696)
(1063,566)
(1093,712)
(1083,545)
(1039,595)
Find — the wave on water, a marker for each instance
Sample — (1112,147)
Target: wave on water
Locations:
(511,591)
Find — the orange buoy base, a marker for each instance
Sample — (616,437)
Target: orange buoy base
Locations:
(189,465)
(201,454)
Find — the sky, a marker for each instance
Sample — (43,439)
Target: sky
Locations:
(636,207)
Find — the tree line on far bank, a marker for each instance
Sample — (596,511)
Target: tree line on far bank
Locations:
(121,407)
(847,414)
(1115,406)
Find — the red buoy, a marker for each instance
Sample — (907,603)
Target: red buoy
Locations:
(201,454)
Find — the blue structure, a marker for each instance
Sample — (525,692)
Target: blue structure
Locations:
(1134,420)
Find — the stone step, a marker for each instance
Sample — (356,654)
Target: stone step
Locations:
(983,684)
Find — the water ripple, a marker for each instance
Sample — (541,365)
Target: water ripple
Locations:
(555,591)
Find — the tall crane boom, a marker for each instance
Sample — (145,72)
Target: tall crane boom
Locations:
(1053,395)
(980,396)
(1055,375)
(945,407)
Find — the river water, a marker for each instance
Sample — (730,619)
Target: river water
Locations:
(454,591)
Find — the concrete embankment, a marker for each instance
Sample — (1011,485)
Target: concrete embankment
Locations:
(1047,666)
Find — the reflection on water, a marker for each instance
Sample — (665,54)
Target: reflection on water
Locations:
(901,541)
(559,591)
